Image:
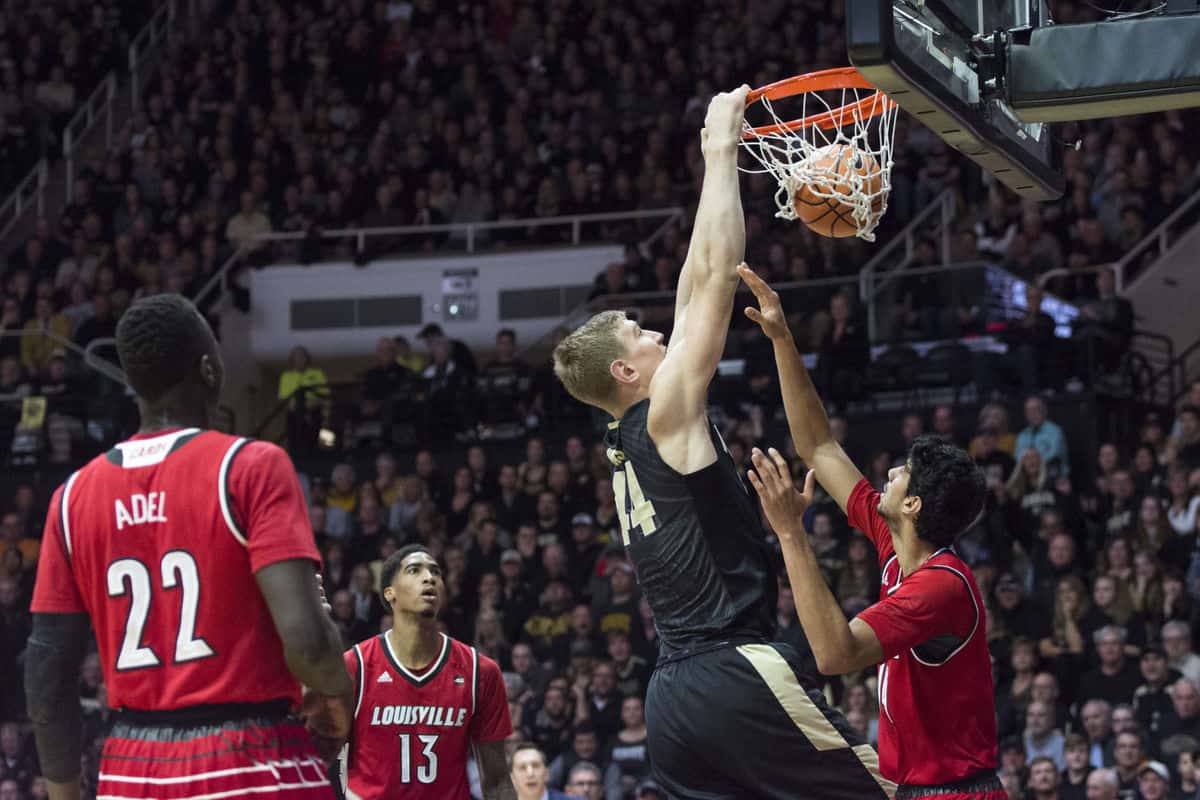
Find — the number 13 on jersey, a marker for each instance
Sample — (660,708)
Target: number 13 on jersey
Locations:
(633,509)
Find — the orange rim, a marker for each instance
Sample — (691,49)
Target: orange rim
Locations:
(839,78)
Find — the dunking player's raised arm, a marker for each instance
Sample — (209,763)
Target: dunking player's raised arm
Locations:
(704,301)
(807,420)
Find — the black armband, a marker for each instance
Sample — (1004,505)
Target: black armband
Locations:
(52,660)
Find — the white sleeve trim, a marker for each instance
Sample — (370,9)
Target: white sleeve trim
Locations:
(223,491)
(474,678)
(64,517)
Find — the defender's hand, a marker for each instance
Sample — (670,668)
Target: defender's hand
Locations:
(328,721)
(782,502)
(723,122)
(769,314)
(321,594)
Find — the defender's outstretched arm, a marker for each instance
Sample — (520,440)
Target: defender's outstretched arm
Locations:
(807,420)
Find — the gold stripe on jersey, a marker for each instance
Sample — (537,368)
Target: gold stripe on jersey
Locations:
(782,682)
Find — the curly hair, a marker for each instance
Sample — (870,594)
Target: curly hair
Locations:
(951,487)
(160,341)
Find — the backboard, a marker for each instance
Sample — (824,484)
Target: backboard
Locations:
(936,59)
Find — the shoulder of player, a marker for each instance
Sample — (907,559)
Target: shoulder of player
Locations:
(947,572)
(864,493)
(368,649)
(488,668)
(250,452)
(251,459)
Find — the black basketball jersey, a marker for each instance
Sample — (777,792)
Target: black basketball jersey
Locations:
(696,541)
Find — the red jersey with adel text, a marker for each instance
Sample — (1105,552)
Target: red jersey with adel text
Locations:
(412,732)
(158,540)
(937,719)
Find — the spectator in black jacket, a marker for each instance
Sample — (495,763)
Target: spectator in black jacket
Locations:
(449,399)
(1104,329)
(1152,700)
(843,353)
(459,352)
(1116,678)
(504,384)
(1028,341)
(1184,715)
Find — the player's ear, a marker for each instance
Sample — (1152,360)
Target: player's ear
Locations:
(208,371)
(622,371)
(911,505)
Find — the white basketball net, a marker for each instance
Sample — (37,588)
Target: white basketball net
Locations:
(795,158)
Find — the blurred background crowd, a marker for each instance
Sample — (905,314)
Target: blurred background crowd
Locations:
(320,115)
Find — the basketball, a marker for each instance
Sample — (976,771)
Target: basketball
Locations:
(828,215)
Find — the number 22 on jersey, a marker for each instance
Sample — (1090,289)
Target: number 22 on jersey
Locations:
(130,576)
(633,509)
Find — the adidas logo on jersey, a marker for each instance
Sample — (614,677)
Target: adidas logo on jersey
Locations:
(384,678)
(459,680)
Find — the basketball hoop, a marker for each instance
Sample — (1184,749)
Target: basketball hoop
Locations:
(804,154)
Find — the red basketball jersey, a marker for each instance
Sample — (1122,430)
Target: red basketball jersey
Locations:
(412,732)
(937,719)
(158,541)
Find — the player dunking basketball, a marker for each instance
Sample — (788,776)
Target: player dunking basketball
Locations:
(424,700)
(727,715)
(937,723)
(191,554)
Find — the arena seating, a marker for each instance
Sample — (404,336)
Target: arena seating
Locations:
(307,115)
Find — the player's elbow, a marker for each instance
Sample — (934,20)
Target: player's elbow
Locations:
(52,658)
(45,692)
(840,658)
(829,663)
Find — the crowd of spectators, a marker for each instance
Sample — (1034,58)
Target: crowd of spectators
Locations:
(315,115)
(320,115)
(53,53)
(1086,561)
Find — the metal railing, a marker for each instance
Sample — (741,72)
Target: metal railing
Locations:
(30,193)
(1153,246)
(1157,242)
(471,230)
(983,285)
(899,251)
(96,363)
(99,105)
(93,359)
(1153,367)
(218,284)
(1169,381)
(142,47)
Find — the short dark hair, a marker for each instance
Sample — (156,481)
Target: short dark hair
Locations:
(160,341)
(387,573)
(951,487)
(506,333)
(526,746)
(1141,740)
(1042,760)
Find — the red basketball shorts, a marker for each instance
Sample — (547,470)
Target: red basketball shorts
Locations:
(233,759)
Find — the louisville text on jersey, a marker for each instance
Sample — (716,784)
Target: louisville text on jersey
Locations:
(435,716)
